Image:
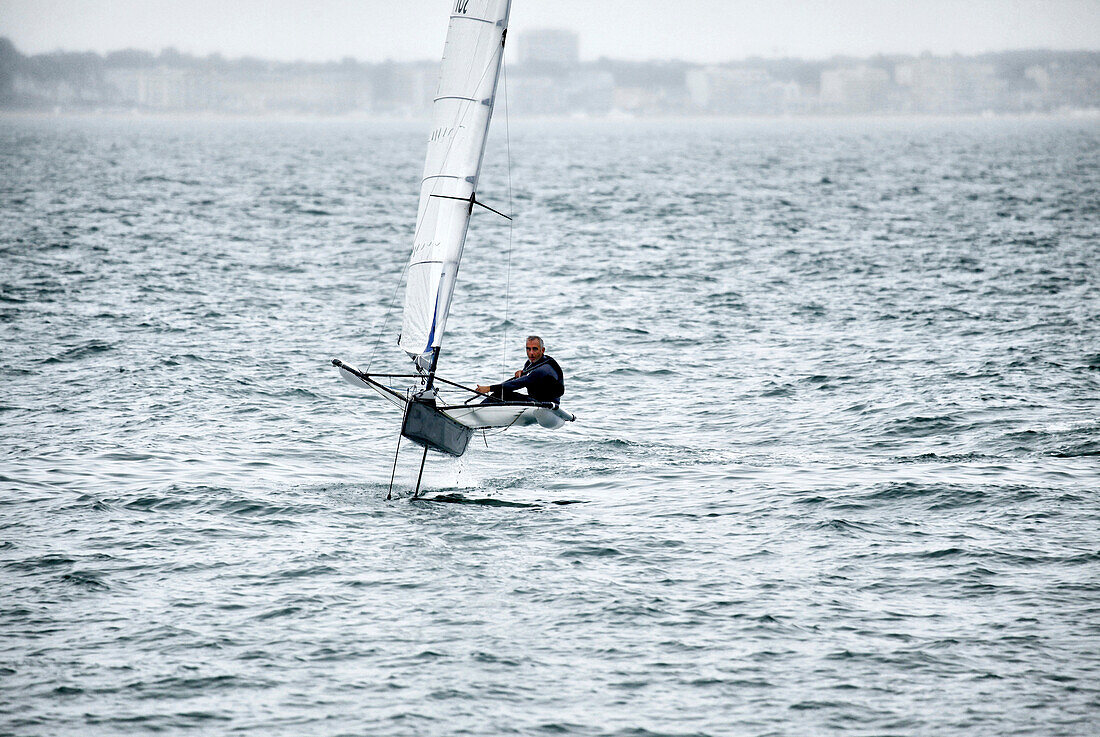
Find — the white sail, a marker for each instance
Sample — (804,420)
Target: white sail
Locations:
(460,123)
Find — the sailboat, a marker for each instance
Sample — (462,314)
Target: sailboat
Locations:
(439,414)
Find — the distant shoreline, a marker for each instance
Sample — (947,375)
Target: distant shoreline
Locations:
(1089,114)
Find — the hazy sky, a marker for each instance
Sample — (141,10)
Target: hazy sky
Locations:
(694,30)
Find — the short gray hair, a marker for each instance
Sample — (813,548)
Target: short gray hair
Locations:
(535,337)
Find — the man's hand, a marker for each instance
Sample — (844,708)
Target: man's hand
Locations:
(483,389)
(518,374)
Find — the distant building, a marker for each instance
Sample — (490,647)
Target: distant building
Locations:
(590,91)
(405,89)
(162,88)
(235,91)
(731,90)
(549,47)
(422,86)
(937,85)
(700,86)
(860,89)
(534,94)
(638,101)
(581,90)
(1056,85)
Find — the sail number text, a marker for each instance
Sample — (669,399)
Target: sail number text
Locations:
(460,6)
(440,133)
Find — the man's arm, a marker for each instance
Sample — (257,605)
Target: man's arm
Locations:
(518,382)
(496,387)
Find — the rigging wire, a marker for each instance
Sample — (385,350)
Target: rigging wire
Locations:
(386,319)
(511,213)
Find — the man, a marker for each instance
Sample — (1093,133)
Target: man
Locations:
(541,376)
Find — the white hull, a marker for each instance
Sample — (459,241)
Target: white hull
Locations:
(476,416)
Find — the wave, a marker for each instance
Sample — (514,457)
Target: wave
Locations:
(84,350)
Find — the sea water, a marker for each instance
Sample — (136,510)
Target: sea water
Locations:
(834,471)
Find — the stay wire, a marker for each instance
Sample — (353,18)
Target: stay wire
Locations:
(511,213)
(386,319)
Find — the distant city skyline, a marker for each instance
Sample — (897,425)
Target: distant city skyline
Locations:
(702,31)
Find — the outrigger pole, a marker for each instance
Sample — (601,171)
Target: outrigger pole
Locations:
(416,494)
(389,492)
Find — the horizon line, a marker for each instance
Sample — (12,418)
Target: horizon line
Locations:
(651,60)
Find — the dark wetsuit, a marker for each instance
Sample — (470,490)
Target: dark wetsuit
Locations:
(543,381)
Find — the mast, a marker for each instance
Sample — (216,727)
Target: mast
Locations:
(461,111)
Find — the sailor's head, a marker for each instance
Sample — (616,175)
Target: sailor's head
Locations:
(535,348)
